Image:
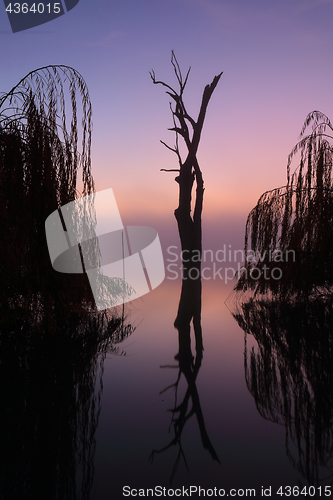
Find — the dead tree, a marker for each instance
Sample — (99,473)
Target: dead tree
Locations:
(189,170)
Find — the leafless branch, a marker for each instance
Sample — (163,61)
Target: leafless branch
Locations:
(169,147)
(159,82)
(178,72)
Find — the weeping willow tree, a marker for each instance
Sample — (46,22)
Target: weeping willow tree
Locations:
(42,150)
(289,239)
(52,340)
(283,300)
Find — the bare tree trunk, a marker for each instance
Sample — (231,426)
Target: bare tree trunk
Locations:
(190,234)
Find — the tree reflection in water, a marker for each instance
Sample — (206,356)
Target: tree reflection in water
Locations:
(189,310)
(290,375)
(51,387)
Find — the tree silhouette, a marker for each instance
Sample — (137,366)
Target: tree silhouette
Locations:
(52,339)
(189,171)
(290,227)
(189,228)
(40,162)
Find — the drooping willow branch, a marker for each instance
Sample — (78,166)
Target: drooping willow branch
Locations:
(40,157)
(43,92)
(296,218)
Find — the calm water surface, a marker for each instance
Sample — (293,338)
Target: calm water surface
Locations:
(135,418)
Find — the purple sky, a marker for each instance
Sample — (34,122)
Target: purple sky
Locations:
(277,64)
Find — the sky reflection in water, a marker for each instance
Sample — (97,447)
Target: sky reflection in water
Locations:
(135,418)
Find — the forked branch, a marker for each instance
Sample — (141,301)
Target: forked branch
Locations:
(181,119)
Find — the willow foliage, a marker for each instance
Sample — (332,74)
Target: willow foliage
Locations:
(38,101)
(40,139)
(290,227)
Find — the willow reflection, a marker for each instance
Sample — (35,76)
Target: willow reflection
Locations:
(290,375)
(51,387)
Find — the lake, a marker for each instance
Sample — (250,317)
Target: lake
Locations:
(136,419)
(80,425)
